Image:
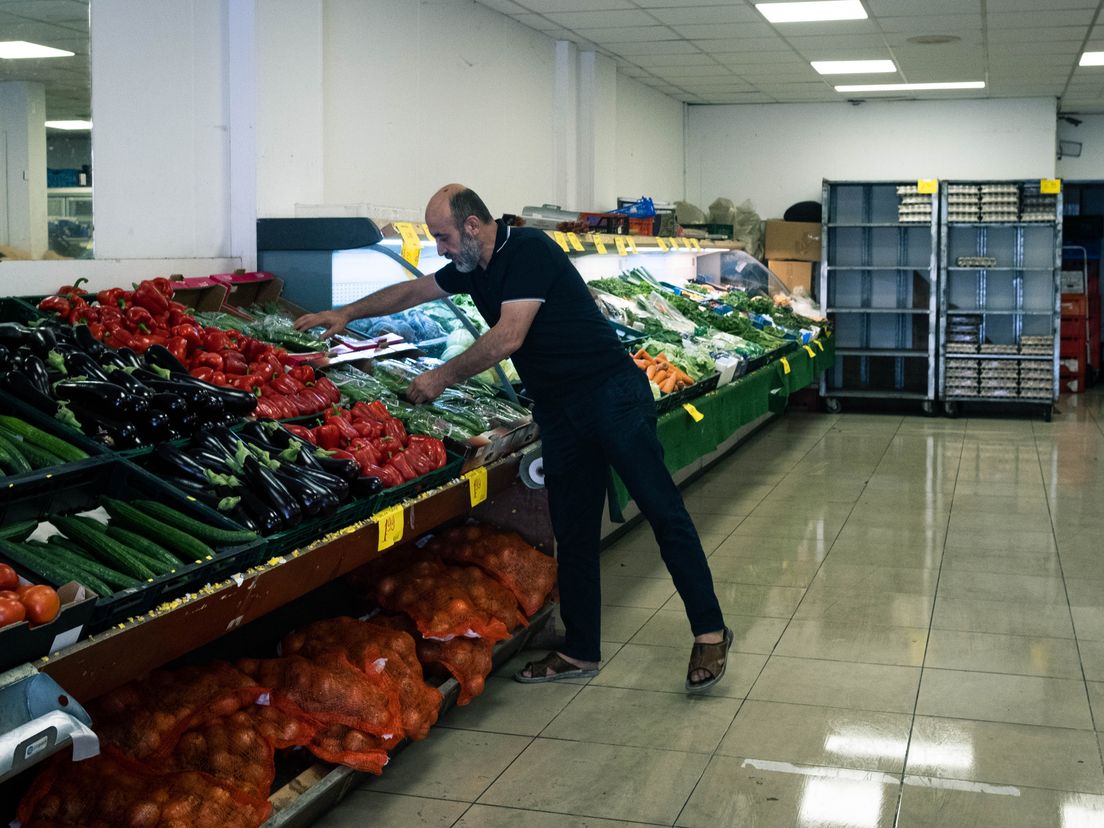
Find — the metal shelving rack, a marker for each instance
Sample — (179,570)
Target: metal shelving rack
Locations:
(999,267)
(878,276)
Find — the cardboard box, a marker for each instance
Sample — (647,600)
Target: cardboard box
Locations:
(204,293)
(23,642)
(257,288)
(793,274)
(793,240)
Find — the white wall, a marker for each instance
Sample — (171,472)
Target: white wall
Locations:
(776,155)
(1090,134)
(650,142)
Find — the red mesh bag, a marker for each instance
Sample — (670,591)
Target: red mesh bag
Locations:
(469,660)
(233,750)
(330,690)
(348,746)
(111,791)
(526,571)
(144,718)
(284,725)
(490,596)
(439,604)
(365,644)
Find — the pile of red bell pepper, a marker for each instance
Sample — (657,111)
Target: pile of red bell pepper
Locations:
(148,315)
(378,442)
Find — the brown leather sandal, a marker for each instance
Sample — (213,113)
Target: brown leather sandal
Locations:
(712,658)
(553,667)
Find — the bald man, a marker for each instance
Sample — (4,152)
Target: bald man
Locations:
(593,405)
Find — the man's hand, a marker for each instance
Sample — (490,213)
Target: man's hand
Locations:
(334,321)
(426,387)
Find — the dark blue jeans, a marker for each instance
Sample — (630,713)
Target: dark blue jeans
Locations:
(581,437)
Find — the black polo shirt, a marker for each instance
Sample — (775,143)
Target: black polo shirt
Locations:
(570,345)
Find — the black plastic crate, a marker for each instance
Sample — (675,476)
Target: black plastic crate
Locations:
(78,488)
(669,402)
(32,416)
(771,356)
(431,480)
(14,309)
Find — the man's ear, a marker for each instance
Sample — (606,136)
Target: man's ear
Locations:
(472,224)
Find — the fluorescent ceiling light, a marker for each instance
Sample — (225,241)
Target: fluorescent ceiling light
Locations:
(909,87)
(1091,59)
(809,12)
(20,49)
(69,124)
(853,67)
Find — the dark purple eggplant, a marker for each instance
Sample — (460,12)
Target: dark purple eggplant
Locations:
(179,463)
(272,491)
(265,517)
(124,380)
(34,369)
(102,398)
(82,336)
(20,386)
(40,340)
(348,470)
(367,486)
(161,357)
(233,399)
(153,426)
(129,357)
(116,434)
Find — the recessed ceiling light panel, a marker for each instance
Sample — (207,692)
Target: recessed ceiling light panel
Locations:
(910,87)
(22,49)
(1091,59)
(853,67)
(69,125)
(810,12)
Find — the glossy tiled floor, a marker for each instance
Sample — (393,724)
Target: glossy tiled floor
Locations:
(919,615)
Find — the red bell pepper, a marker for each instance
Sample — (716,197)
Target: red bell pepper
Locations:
(286,384)
(56,304)
(395,429)
(74,289)
(418,460)
(208,359)
(180,316)
(178,347)
(325,386)
(118,337)
(266,409)
(327,436)
(112,297)
(190,332)
(163,286)
(431,446)
(302,372)
(202,372)
(218,378)
(234,363)
(139,319)
(214,339)
(402,466)
(344,427)
(301,431)
(147,296)
(140,344)
(81,312)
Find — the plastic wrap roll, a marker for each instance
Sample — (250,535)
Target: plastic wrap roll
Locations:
(531,468)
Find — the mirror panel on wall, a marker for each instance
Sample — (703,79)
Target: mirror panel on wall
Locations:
(45,128)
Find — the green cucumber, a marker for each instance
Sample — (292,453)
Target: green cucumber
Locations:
(62,562)
(53,444)
(195,528)
(108,550)
(48,568)
(169,536)
(11,458)
(82,559)
(16,532)
(145,546)
(38,457)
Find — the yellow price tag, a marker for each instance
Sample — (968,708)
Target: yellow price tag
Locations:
(561,240)
(632,244)
(622,248)
(411,244)
(686,243)
(573,240)
(599,245)
(662,244)
(428,235)
(674,243)
(819,344)
(927,186)
(809,351)
(1050,186)
(785,366)
(694,243)
(693,412)
(477,485)
(391,521)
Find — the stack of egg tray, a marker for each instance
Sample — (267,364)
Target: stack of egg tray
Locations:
(1000,202)
(1038,207)
(961,378)
(963,202)
(913,207)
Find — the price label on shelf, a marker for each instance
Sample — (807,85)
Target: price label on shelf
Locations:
(561,240)
(927,186)
(477,485)
(695,244)
(819,344)
(1050,186)
(693,412)
(599,245)
(622,248)
(411,244)
(785,365)
(662,243)
(631,242)
(573,240)
(391,521)
(810,352)
(674,243)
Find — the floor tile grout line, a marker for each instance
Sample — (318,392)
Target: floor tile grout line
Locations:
(927,640)
(1065,588)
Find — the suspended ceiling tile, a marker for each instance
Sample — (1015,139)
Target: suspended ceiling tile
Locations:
(1070,34)
(921,8)
(692,71)
(765,45)
(954,24)
(805,43)
(781,59)
(53,11)
(725,30)
(658,47)
(601,19)
(1040,19)
(675,60)
(503,6)
(633,33)
(711,15)
(536,21)
(575,5)
(1033,5)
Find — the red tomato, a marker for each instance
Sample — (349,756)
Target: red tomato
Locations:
(9,593)
(8,578)
(42,603)
(11,612)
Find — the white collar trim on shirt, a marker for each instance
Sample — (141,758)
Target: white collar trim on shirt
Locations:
(497,249)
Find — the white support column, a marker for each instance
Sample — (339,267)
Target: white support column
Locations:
(597,133)
(565,114)
(23,142)
(241,64)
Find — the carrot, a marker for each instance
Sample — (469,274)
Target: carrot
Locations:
(682,375)
(668,385)
(644,355)
(651,371)
(640,363)
(661,357)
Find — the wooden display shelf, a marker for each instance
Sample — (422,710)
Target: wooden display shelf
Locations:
(112,658)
